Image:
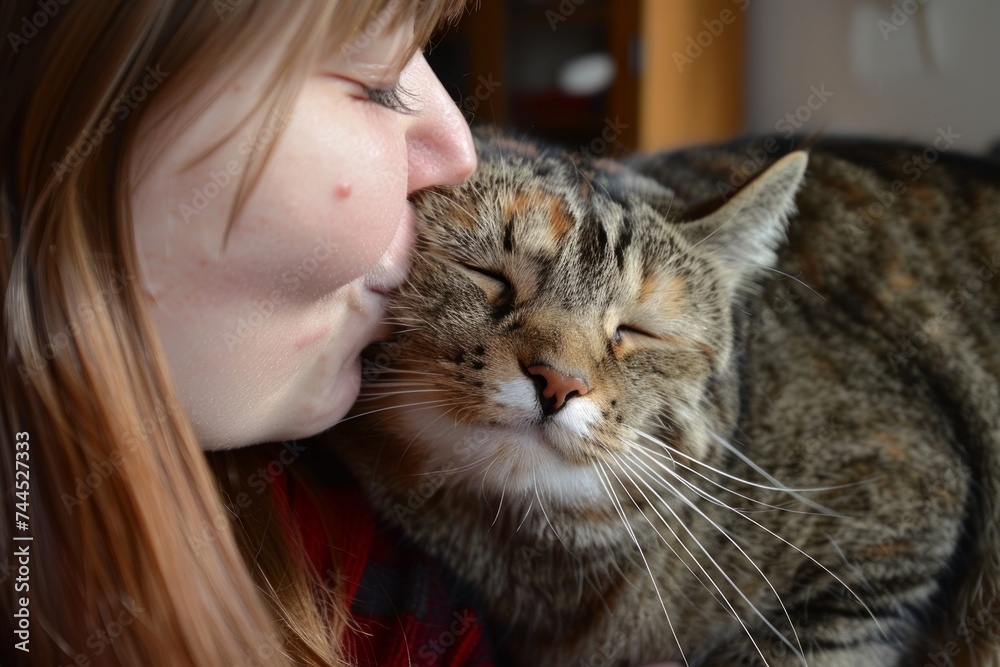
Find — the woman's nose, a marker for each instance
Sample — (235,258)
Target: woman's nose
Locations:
(438,143)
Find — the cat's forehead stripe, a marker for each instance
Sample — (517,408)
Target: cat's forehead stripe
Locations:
(527,205)
(668,293)
(622,244)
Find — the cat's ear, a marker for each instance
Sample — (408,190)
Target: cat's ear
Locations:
(745,232)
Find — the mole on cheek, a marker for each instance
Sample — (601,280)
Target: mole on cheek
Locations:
(343,191)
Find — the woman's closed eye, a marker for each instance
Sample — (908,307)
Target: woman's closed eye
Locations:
(390,98)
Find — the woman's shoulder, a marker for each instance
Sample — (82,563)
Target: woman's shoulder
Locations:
(407,607)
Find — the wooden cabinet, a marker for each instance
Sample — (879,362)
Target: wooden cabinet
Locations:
(503,62)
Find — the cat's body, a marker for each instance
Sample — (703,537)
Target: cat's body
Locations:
(576,381)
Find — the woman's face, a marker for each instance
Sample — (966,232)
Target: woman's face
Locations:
(263,340)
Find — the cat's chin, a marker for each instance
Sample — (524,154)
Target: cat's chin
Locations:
(548,458)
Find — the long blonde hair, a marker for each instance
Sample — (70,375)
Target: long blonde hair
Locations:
(134,558)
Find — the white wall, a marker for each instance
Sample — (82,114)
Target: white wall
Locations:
(893,68)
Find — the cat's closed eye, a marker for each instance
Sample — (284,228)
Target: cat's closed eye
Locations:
(627,337)
(625,330)
(498,289)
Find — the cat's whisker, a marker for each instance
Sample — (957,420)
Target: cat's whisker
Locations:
(740,513)
(458,415)
(427,404)
(372,389)
(503,488)
(795,493)
(525,517)
(734,216)
(673,461)
(721,599)
(739,548)
(421,431)
(414,324)
(386,394)
(795,278)
(411,372)
(606,483)
(715,563)
(395,382)
(779,487)
(670,206)
(541,506)
(370,393)
(846,561)
(400,332)
(450,471)
(700,492)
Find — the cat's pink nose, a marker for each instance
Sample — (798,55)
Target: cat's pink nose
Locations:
(554,388)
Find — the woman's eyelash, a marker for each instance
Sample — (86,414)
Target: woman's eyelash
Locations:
(390,98)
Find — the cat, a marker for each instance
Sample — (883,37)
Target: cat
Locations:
(730,405)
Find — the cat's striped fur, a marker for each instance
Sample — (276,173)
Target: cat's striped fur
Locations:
(644,421)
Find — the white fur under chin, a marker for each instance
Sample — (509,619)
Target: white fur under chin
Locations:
(506,460)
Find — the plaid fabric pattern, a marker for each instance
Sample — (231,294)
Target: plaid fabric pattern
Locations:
(408,609)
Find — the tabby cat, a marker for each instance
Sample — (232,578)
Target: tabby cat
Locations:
(735,405)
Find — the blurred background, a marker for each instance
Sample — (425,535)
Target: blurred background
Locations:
(615,76)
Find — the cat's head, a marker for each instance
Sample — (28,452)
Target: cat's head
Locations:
(559,314)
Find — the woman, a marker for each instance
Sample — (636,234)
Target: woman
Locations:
(204,204)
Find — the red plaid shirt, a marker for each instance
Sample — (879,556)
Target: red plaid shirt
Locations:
(405,605)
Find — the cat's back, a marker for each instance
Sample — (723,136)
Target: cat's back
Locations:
(873,353)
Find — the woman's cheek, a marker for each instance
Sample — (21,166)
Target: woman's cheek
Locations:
(338,196)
